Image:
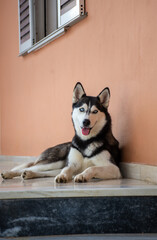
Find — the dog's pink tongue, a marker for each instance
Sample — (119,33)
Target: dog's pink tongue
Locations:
(85,131)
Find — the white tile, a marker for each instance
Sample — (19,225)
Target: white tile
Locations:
(132,171)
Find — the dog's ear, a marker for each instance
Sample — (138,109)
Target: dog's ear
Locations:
(104,97)
(78,92)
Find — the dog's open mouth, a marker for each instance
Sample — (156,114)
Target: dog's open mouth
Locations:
(86,131)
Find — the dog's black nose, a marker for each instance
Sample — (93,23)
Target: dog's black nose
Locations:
(86,122)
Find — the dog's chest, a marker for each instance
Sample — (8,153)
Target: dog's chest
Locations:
(91,148)
(96,155)
(88,153)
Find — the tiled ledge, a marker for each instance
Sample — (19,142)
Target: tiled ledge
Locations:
(39,207)
(139,171)
(47,188)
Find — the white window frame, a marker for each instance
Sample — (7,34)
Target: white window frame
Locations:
(72,14)
(71,17)
(27,44)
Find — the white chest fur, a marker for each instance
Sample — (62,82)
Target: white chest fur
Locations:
(91,148)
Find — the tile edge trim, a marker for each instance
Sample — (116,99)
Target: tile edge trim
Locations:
(139,172)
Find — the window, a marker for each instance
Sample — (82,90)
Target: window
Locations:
(42,21)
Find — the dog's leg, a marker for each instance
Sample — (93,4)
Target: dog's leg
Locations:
(27,174)
(16,171)
(43,170)
(74,164)
(65,175)
(22,166)
(47,167)
(10,174)
(106,172)
(46,170)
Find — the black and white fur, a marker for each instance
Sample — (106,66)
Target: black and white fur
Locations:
(93,152)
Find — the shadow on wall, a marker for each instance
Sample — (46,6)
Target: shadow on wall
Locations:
(125,124)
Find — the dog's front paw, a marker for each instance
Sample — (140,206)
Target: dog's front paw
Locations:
(81,178)
(61,178)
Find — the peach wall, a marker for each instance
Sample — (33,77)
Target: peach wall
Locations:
(0,123)
(115,46)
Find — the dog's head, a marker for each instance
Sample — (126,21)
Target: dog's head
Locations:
(89,114)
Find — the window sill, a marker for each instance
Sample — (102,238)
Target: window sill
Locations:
(52,36)
(45,41)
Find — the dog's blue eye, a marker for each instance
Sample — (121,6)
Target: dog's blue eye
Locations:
(95,111)
(82,109)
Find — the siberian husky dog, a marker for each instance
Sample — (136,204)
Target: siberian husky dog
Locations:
(93,152)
